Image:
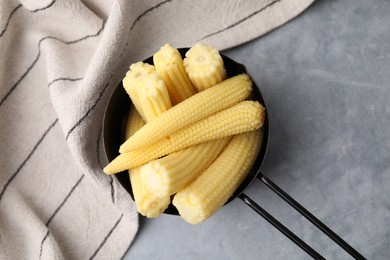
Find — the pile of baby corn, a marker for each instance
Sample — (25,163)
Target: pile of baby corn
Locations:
(192,134)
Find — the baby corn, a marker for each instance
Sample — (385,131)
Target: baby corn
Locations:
(130,82)
(203,104)
(204,66)
(243,117)
(147,90)
(169,64)
(211,190)
(147,203)
(153,96)
(166,176)
(134,121)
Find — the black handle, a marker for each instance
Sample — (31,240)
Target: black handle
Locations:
(304,212)
(282,228)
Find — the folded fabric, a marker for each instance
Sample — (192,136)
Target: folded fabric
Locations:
(59,62)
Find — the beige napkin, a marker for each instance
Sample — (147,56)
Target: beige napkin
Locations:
(59,61)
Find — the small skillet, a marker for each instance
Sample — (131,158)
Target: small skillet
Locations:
(114,123)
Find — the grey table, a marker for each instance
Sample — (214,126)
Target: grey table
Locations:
(326,79)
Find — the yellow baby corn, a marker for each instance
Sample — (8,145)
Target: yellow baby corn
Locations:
(204,66)
(194,108)
(166,176)
(169,64)
(242,117)
(147,90)
(134,121)
(211,190)
(153,96)
(131,80)
(147,204)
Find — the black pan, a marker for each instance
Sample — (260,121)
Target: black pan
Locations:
(114,125)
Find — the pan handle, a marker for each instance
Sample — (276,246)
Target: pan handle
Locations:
(282,228)
(304,212)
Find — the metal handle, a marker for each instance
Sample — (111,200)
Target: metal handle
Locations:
(282,228)
(304,212)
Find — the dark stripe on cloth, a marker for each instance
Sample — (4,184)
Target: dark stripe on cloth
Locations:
(27,158)
(43,8)
(240,21)
(139,18)
(56,211)
(101,166)
(16,8)
(63,79)
(9,18)
(39,54)
(148,11)
(64,201)
(42,242)
(106,237)
(89,110)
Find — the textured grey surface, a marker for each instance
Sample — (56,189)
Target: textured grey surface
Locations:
(325,76)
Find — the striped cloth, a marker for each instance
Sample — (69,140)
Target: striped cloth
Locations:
(59,61)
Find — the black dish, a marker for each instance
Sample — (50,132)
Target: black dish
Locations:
(115,117)
(114,124)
